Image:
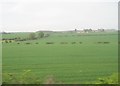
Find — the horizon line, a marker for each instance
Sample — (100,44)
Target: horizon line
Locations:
(55,30)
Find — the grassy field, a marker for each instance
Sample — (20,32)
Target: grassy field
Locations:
(67,63)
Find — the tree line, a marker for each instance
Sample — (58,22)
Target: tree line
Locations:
(31,36)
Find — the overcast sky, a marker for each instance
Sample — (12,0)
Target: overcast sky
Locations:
(34,15)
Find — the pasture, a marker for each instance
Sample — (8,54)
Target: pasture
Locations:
(69,58)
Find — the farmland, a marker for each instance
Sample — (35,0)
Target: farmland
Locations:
(71,58)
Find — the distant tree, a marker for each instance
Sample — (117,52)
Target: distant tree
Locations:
(32,36)
(90,30)
(87,30)
(4,32)
(75,30)
(40,35)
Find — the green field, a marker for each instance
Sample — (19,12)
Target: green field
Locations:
(67,63)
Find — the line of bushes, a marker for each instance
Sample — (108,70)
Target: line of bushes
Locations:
(105,42)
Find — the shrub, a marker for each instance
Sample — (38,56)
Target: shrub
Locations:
(99,42)
(64,42)
(6,41)
(26,77)
(49,42)
(36,43)
(106,42)
(10,41)
(73,42)
(27,43)
(80,42)
(113,79)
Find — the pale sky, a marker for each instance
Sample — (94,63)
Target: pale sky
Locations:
(34,15)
